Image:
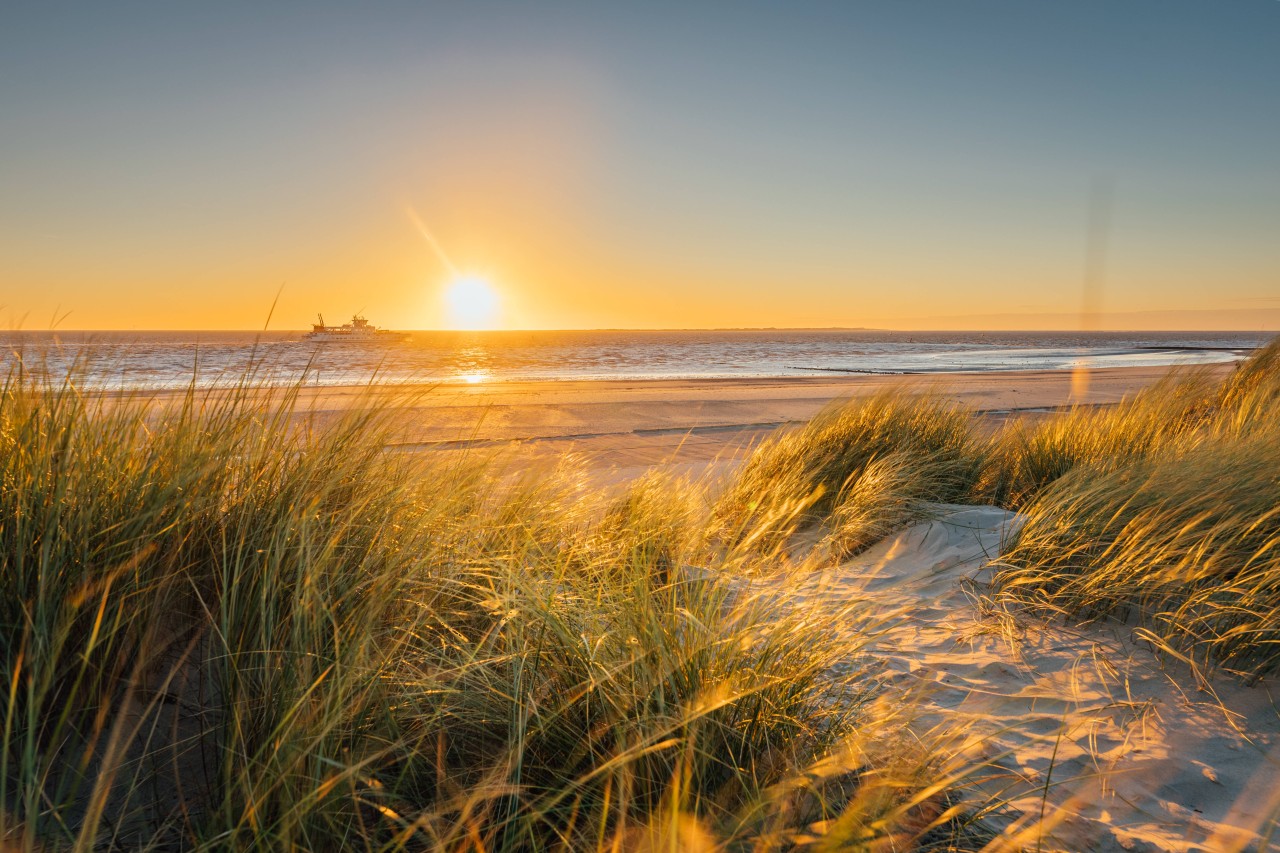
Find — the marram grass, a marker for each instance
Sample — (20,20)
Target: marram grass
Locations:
(1187,544)
(1024,458)
(223,629)
(868,464)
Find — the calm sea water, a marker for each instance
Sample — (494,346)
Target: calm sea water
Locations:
(171,359)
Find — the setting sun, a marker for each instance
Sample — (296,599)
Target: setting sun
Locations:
(472,303)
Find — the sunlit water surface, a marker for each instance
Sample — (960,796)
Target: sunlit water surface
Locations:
(157,360)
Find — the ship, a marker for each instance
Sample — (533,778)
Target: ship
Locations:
(358,331)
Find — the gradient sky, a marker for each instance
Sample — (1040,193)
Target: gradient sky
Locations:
(901,163)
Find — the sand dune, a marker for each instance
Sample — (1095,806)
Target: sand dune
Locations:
(1081,726)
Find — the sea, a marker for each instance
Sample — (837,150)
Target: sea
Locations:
(163,360)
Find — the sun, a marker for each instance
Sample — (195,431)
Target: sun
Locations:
(472,303)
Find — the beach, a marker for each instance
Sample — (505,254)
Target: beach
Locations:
(623,428)
(620,429)
(1148,754)
(869,550)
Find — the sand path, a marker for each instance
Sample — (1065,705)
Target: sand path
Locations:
(1083,725)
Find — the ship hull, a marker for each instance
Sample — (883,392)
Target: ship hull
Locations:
(339,338)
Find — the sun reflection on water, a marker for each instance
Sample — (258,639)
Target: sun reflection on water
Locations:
(472,364)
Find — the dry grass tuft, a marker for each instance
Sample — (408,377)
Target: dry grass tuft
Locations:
(1169,515)
(1186,543)
(873,462)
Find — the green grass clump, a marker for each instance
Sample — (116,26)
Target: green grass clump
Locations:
(224,628)
(193,602)
(873,462)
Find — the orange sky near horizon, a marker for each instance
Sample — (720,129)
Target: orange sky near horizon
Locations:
(551,272)
(542,281)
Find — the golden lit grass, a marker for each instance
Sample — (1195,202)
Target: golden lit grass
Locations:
(1025,457)
(1187,543)
(220,629)
(1162,508)
(868,465)
(1022,459)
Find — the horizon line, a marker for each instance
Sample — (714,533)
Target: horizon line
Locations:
(936,330)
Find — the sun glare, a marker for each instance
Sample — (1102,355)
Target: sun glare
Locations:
(472,303)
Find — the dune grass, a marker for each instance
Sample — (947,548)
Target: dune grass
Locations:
(864,467)
(1022,459)
(221,628)
(1176,530)
(1187,544)
(1162,509)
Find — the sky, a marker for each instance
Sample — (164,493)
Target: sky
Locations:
(898,164)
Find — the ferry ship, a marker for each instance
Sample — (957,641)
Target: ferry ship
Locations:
(358,331)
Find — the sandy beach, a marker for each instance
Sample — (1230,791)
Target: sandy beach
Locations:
(1061,736)
(587,409)
(623,428)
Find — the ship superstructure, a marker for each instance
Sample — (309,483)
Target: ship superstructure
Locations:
(357,331)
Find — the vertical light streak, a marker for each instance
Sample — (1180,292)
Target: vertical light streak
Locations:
(1101,198)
